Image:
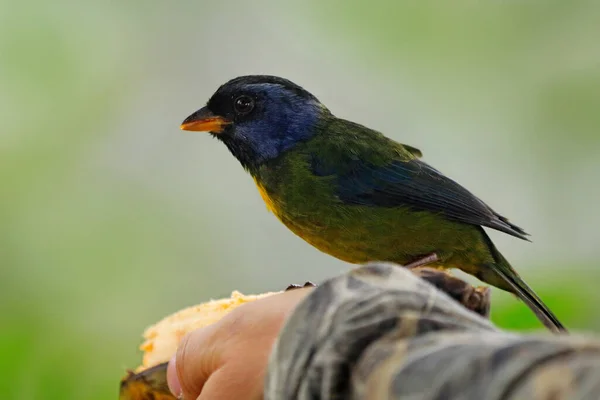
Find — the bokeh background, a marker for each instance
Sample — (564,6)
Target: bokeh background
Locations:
(111,217)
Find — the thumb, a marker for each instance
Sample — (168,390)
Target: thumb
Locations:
(195,360)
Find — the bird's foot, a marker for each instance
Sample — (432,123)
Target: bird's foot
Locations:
(428,259)
(294,286)
(476,299)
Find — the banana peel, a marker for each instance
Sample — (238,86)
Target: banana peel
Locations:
(149,384)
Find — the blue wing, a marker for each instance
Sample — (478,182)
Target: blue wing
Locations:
(415,184)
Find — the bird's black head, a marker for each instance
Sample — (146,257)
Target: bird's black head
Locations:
(258,117)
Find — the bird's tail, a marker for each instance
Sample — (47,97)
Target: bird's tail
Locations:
(518,286)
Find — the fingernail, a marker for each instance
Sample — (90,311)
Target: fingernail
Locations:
(173,380)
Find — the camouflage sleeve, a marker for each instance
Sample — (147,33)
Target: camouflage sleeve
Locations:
(381,332)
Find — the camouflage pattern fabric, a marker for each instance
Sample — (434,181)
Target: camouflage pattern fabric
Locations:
(380,332)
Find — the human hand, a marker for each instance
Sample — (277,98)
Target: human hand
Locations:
(228,360)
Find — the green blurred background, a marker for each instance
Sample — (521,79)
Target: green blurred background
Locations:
(111,217)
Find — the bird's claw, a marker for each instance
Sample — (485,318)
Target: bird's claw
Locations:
(476,299)
(421,262)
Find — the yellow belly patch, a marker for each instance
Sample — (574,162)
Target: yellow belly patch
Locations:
(268,201)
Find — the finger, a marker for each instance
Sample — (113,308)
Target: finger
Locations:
(196,358)
(234,381)
(172,379)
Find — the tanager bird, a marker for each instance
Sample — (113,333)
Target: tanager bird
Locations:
(354,193)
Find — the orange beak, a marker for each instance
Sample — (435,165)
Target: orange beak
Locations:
(204,120)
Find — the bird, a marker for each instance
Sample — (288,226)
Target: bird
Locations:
(354,193)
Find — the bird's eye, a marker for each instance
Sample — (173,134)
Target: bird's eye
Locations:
(243,104)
